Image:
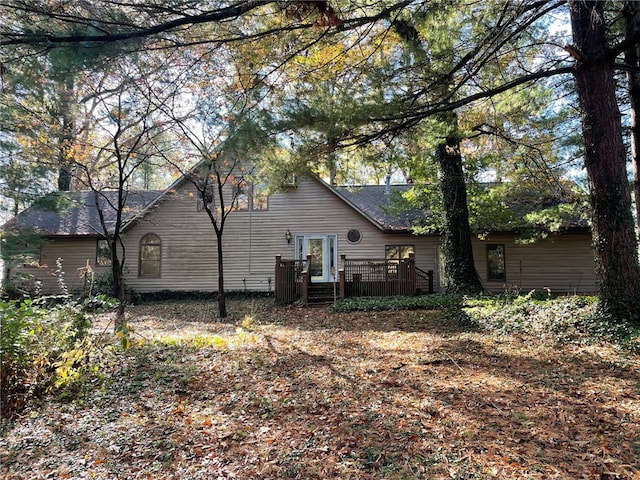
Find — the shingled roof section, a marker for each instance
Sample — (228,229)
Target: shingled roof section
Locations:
(374,202)
(76,213)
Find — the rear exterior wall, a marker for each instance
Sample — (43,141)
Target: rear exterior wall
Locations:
(252,239)
(75,254)
(560,263)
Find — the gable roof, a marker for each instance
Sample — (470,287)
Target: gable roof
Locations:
(76,214)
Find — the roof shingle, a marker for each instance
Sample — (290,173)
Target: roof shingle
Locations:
(76,213)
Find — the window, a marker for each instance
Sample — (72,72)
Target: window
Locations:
(393,254)
(397,252)
(354,236)
(259,196)
(103,253)
(290,181)
(149,256)
(495,262)
(250,196)
(241,196)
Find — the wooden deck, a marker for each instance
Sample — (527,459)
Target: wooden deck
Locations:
(356,278)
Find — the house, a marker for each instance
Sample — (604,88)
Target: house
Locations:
(169,242)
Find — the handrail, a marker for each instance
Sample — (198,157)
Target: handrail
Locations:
(423,273)
(426,275)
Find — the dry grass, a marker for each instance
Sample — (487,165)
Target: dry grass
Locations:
(302,393)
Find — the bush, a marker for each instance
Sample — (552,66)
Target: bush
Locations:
(428,302)
(41,347)
(532,313)
(21,285)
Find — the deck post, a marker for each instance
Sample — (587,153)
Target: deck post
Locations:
(308,269)
(305,287)
(413,285)
(278,278)
(341,275)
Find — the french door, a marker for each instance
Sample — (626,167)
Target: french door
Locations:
(324,252)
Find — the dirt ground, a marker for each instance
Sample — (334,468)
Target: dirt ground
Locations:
(303,393)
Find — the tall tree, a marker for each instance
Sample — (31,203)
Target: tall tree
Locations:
(614,238)
(631,13)
(488,42)
(459,265)
(127,128)
(31,111)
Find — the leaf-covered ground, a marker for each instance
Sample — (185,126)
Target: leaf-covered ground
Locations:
(302,393)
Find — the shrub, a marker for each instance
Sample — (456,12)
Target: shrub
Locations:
(41,347)
(20,372)
(571,318)
(532,313)
(429,302)
(21,285)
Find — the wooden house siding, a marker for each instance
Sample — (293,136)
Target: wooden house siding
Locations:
(74,252)
(562,263)
(188,261)
(251,239)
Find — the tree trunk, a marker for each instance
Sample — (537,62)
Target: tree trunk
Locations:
(118,285)
(65,149)
(614,239)
(459,265)
(222,296)
(632,58)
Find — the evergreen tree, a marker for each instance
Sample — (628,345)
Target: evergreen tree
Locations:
(631,13)
(614,238)
(499,47)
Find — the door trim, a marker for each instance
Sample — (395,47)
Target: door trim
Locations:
(329,254)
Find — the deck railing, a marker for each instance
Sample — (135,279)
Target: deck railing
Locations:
(356,277)
(424,281)
(378,278)
(288,280)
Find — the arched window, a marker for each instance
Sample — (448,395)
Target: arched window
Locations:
(150,256)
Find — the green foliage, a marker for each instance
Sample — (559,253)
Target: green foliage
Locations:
(367,304)
(43,347)
(124,333)
(20,246)
(21,285)
(101,290)
(533,313)
(529,207)
(103,283)
(561,319)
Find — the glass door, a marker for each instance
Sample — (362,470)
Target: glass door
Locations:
(324,252)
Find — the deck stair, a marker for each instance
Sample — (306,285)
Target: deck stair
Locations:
(322,293)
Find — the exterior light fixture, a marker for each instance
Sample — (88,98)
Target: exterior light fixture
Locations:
(287,235)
